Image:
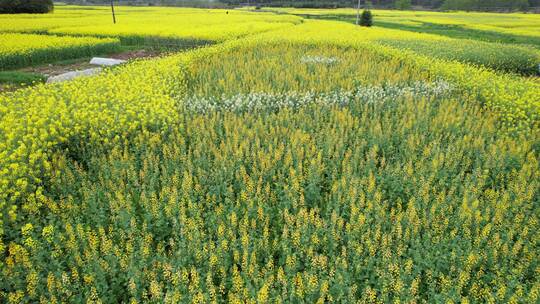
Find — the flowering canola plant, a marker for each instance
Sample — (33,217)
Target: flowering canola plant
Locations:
(260,171)
(17,50)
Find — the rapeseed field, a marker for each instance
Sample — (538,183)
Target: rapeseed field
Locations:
(306,162)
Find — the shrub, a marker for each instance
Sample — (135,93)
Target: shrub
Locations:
(366,19)
(26,6)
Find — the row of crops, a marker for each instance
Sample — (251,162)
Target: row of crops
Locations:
(21,50)
(303,164)
(192,27)
(74,32)
(509,43)
(496,56)
(513,28)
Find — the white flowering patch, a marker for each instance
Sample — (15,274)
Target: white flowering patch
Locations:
(319,59)
(256,102)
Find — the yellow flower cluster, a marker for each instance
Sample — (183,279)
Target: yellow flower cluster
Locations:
(503,42)
(516,100)
(17,50)
(373,203)
(516,27)
(37,122)
(150,24)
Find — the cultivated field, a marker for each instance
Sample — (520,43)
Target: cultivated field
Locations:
(280,159)
(20,50)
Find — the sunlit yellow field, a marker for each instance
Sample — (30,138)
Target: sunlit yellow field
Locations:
(135,23)
(18,50)
(513,23)
(285,160)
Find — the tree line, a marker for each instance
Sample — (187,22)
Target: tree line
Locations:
(25,6)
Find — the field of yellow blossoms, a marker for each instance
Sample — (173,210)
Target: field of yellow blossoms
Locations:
(20,50)
(282,160)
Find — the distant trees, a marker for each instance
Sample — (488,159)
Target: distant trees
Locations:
(403,4)
(26,6)
(487,4)
(460,4)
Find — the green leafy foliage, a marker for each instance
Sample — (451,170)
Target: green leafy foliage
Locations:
(366,19)
(14,77)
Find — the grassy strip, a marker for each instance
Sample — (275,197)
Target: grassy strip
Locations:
(15,77)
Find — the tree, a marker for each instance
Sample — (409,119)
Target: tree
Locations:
(403,4)
(26,6)
(367,18)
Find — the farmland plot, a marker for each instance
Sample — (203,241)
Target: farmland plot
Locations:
(307,163)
